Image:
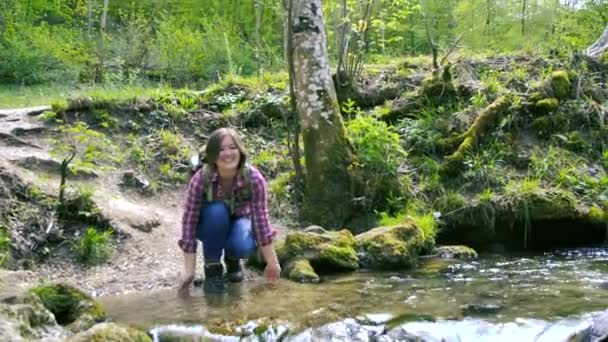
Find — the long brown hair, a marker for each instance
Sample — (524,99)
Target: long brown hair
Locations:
(212,150)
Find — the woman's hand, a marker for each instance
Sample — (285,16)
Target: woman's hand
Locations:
(272,272)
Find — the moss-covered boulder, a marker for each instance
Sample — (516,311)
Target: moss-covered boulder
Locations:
(394,247)
(541,204)
(557,85)
(456,252)
(23,316)
(326,251)
(436,88)
(111,332)
(301,271)
(69,304)
(547,105)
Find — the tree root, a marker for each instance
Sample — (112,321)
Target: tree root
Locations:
(481,124)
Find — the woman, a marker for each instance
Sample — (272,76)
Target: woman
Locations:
(226,209)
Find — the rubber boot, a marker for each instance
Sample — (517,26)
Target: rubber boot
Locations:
(214,278)
(234,270)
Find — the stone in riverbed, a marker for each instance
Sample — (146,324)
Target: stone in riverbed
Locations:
(111,332)
(69,304)
(480,309)
(456,252)
(395,247)
(301,271)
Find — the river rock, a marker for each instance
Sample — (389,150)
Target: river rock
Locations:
(301,271)
(480,309)
(395,247)
(132,179)
(327,252)
(111,332)
(456,252)
(70,305)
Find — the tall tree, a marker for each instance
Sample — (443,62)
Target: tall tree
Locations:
(328,154)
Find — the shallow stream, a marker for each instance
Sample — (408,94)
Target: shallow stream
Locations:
(495,297)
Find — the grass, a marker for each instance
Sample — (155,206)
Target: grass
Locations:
(13,96)
(93,247)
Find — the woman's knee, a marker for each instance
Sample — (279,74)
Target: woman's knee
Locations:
(241,242)
(215,218)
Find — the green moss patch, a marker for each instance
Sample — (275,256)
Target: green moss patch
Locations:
(394,247)
(68,303)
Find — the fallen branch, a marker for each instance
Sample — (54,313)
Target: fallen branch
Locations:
(481,124)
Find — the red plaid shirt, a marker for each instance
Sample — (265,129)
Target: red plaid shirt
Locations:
(256,207)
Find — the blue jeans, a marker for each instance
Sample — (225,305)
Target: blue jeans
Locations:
(219,231)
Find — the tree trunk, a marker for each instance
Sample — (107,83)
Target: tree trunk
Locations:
(328,154)
(599,46)
(523,17)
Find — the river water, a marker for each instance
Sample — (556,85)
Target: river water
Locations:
(495,297)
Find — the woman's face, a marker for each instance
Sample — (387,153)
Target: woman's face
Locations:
(229,156)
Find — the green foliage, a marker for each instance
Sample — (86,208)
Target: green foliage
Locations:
(170,142)
(93,247)
(5,246)
(379,155)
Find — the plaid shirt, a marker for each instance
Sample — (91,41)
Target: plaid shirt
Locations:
(256,207)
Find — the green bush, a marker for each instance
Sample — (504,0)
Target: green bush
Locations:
(380,155)
(38,54)
(93,247)
(5,247)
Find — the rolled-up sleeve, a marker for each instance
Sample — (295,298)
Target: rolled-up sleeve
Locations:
(259,212)
(191,214)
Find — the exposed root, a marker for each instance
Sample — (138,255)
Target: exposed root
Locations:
(481,124)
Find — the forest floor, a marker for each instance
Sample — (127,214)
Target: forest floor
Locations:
(143,259)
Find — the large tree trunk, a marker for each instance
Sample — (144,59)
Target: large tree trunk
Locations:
(328,195)
(600,45)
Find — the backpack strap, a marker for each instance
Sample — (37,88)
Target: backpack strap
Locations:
(245,173)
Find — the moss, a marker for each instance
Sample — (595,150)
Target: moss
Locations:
(111,332)
(394,247)
(543,126)
(597,215)
(547,105)
(301,271)
(479,127)
(558,85)
(456,252)
(435,88)
(329,251)
(59,106)
(536,96)
(68,303)
(340,257)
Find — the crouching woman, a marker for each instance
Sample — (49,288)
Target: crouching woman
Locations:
(226,209)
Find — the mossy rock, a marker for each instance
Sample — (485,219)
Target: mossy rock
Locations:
(394,247)
(111,332)
(547,204)
(68,303)
(25,317)
(547,105)
(557,85)
(543,126)
(435,88)
(326,251)
(456,252)
(301,271)
(597,215)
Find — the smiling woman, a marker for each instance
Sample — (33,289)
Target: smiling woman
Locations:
(226,208)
